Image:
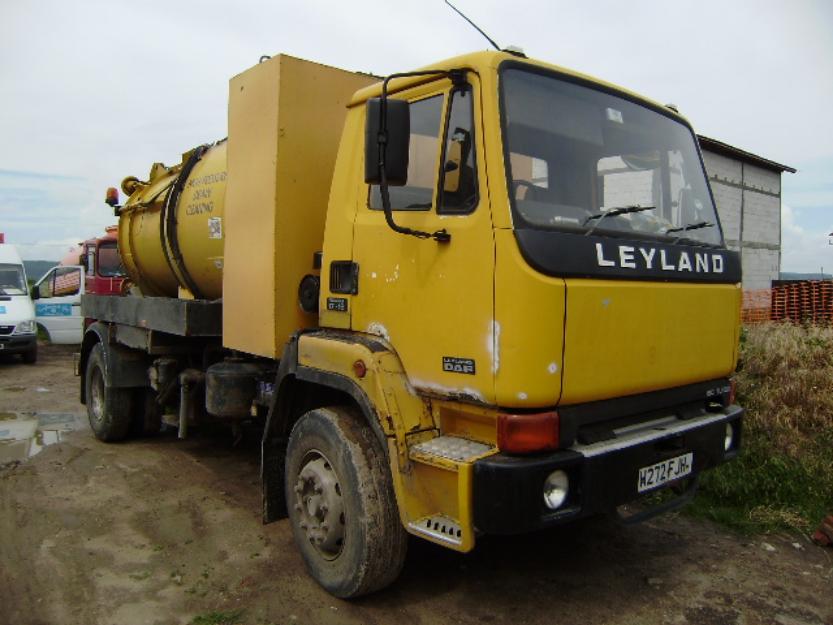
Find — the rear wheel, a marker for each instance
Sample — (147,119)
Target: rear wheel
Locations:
(341,503)
(108,408)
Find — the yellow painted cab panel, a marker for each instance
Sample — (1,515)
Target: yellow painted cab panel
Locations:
(529,313)
(624,338)
(431,301)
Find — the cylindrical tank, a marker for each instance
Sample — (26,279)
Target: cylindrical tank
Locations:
(171,227)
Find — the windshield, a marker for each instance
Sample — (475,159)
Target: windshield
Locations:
(12,280)
(109,263)
(586,161)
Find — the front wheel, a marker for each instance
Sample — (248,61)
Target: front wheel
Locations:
(341,503)
(30,356)
(108,408)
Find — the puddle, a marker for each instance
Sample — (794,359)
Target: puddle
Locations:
(25,434)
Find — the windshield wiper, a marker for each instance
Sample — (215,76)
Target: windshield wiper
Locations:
(692,226)
(612,212)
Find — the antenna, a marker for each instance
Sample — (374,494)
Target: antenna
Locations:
(477,28)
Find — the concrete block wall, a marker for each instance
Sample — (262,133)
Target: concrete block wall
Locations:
(761,179)
(760,268)
(728,200)
(761,218)
(722,168)
(748,201)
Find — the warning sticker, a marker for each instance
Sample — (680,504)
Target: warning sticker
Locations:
(215,228)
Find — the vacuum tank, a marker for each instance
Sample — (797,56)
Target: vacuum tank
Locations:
(171,229)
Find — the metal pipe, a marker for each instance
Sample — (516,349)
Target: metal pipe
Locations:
(189,382)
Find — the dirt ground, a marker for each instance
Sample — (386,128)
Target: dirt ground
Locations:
(161,531)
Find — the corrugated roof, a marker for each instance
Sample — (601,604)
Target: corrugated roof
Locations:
(713,145)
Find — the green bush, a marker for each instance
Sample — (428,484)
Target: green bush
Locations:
(784,475)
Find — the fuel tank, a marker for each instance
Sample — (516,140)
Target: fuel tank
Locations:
(171,232)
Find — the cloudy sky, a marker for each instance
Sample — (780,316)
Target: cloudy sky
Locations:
(94,90)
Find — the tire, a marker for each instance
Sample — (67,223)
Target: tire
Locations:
(109,409)
(30,357)
(348,532)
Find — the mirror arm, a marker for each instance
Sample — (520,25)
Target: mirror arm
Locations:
(457,77)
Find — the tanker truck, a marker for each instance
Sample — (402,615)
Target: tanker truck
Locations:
(489,296)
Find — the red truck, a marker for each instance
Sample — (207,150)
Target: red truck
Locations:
(93,266)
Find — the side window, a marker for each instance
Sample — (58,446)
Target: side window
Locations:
(45,285)
(458,186)
(418,194)
(109,263)
(65,281)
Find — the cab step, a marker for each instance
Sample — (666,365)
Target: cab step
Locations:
(439,528)
(451,448)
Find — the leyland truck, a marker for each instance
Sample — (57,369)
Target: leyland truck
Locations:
(486,297)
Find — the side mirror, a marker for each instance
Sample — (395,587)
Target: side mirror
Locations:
(398,129)
(35,294)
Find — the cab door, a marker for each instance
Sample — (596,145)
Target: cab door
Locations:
(58,303)
(433,301)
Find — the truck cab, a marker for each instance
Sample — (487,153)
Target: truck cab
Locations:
(104,272)
(581,303)
(586,259)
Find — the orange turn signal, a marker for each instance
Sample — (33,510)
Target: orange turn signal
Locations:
(732,391)
(528,433)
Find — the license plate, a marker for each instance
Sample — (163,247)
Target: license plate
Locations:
(663,472)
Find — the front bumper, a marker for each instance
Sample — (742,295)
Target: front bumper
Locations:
(507,491)
(17,344)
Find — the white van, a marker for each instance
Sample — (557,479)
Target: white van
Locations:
(18,330)
(57,298)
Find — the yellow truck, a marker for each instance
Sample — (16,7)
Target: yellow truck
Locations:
(486,297)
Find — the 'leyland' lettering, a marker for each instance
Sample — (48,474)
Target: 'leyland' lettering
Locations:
(667,259)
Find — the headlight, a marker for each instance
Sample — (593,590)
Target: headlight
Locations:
(729,438)
(556,487)
(25,327)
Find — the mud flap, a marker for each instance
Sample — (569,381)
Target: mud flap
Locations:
(273,459)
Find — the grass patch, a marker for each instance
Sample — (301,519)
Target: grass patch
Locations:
(218,618)
(783,478)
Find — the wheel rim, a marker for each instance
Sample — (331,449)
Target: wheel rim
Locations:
(97,396)
(319,505)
